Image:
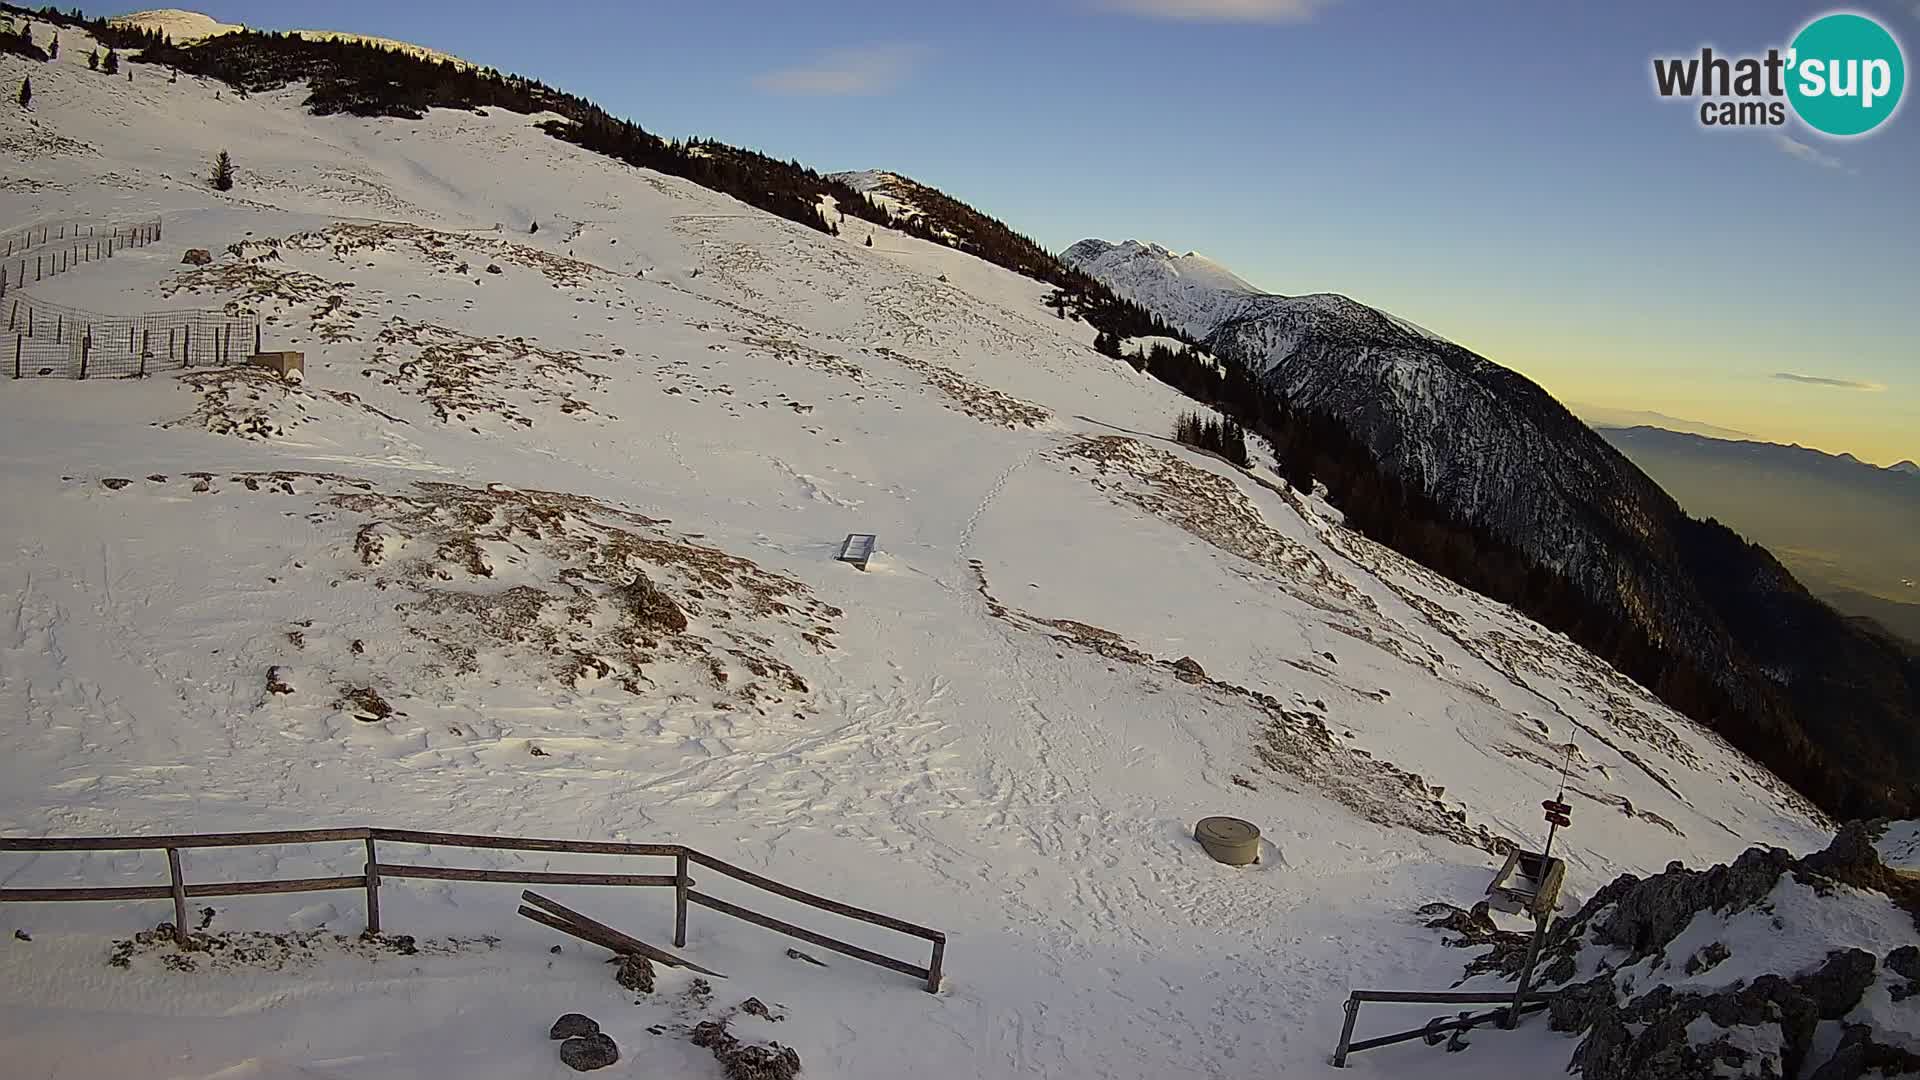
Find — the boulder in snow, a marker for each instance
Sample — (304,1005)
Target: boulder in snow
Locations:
(574,1025)
(588,1052)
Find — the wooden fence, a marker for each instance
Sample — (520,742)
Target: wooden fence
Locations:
(375,871)
(60,248)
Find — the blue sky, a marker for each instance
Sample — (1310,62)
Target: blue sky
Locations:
(1500,172)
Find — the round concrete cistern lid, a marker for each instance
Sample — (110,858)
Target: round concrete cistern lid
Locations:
(1229,840)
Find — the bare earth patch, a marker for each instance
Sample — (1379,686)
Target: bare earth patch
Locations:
(238,950)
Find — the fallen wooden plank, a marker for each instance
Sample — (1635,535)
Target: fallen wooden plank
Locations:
(613,941)
(608,937)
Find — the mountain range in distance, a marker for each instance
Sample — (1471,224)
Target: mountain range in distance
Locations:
(1478,472)
(1844,527)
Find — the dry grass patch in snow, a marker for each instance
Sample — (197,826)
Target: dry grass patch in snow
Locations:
(461,376)
(254,403)
(593,591)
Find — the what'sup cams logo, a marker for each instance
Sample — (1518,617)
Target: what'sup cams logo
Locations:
(1842,75)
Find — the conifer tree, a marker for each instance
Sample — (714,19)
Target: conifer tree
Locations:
(222,172)
(535,228)
(53,48)
(93,58)
(111,65)
(869,239)
(26,93)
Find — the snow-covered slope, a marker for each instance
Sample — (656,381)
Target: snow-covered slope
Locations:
(408,592)
(887,190)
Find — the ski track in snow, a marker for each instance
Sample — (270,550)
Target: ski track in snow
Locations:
(1032,798)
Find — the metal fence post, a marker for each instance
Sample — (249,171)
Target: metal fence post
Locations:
(18,343)
(86,346)
(1540,924)
(1346,1033)
(179,897)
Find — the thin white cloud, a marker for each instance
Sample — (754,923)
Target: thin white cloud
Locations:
(1797,149)
(865,69)
(1837,384)
(1219,10)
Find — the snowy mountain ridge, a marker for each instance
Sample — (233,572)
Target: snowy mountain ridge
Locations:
(189,26)
(543,544)
(1193,293)
(1473,449)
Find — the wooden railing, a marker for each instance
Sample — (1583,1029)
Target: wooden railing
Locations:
(374,871)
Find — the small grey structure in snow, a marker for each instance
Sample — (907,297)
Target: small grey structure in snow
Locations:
(857,548)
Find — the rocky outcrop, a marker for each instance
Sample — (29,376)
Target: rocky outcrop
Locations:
(1684,1023)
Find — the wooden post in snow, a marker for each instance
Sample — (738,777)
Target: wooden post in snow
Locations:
(373,888)
(681,882)
(179,893)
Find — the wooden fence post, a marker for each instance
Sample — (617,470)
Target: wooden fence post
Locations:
(933,968)
(86,346)
(680,883)
(226,354)
(256,339)
(18,343)
(186,346)
(59,329)
(179,897)
(373,888)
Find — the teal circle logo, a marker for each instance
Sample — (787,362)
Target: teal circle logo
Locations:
(1845,74)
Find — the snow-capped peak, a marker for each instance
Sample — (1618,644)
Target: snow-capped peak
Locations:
(181,26)
(1191,291)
